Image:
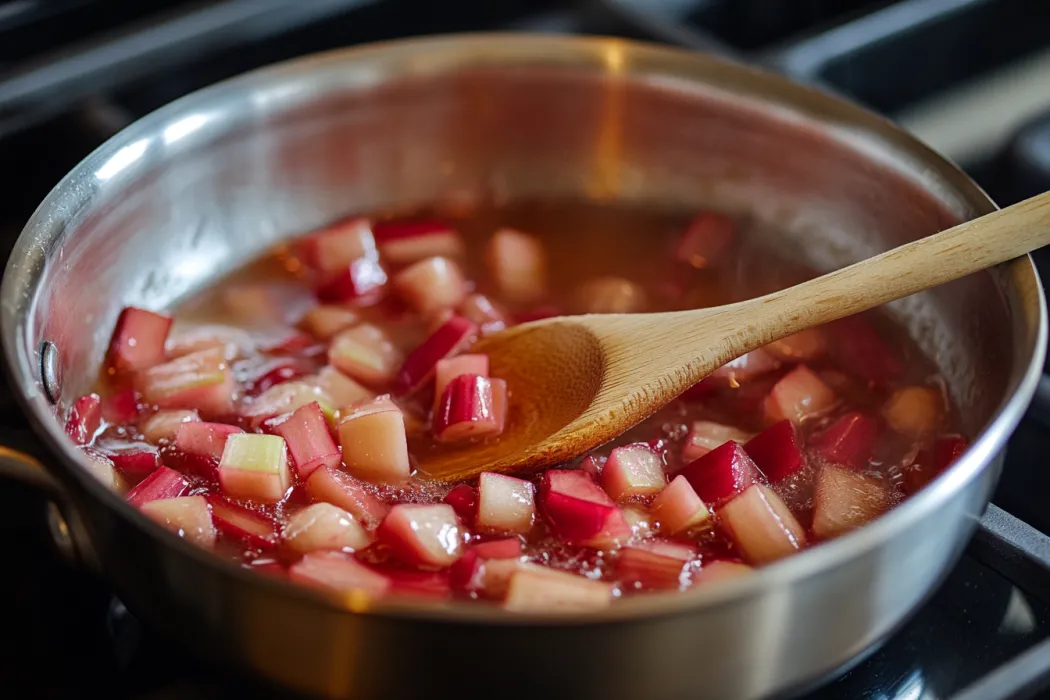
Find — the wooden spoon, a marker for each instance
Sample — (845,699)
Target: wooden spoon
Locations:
(576,382)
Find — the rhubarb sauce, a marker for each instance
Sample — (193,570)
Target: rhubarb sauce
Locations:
(274,418)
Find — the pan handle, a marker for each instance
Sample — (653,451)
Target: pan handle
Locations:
(64,521)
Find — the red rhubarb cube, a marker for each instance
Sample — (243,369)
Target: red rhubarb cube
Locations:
(402,242)
(324,526)
(777,451)
(633,470)
(721,474)
(452,336)
(162,483)
(138,340)
(799,395)
(578,511)
(309,440)
(341,489)
(422,535)
(849,440)
(188,517)
(761,526)
(432,285)
(505,504)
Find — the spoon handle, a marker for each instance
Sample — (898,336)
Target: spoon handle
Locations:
(956,252)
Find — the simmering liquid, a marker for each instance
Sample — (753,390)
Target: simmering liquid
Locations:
(275,417)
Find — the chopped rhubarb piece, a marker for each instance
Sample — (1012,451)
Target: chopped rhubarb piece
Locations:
(138,340)
(343,390)
(506,548)
(469,408)
(361,282)
(102,469)
(200,380)
(162,483)
(761,526)
(427,584)
(339,572)
(188,517)
(422,535)
(464,500)
(339,489)
(163,426)
(849,440)
(85,419)
(204,440)
(495,575)
(324,526)
(677,508)
(655,564)
(333,248)
(122,407)
(845,500)
(254,467)
(705,436)
(859,348)
(309,441)
(798,395)
(721,570)
(246,527)
(706,241)
(743,369)
(485,313)
(914,410)
(469,571)
(505,504)
(374,443)
(325,321)
(366,354)
(518,264)
(578,511)
(232,342)
(431,285)
(451,337)
(546,591)
(633,470)
(777,451)
(135,460)
(804,346)
(404,242)
(287,398)
(448,368)
(610,295)
(721,474)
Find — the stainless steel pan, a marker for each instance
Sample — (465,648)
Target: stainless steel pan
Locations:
(192,191)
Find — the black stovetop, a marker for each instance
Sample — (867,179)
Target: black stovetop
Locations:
(74,72)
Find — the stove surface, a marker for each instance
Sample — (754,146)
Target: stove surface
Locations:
(970,88)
